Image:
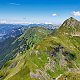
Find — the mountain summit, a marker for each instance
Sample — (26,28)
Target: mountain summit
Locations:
(71,22)
(70,26)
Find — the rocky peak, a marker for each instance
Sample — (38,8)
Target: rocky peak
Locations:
(71,22)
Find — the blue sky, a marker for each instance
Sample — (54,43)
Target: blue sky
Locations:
(38,11)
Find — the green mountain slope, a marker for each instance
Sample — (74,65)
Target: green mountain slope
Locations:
(52,57)
(12,47)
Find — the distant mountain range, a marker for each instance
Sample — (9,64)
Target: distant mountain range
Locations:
(9,30)
(12,30)
(49,26)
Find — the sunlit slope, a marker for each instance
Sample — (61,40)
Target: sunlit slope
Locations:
(24,42)
(45,61)
(55,57)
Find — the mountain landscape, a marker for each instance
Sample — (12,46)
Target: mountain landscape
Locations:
(14,30)
(42,53)
(10,30)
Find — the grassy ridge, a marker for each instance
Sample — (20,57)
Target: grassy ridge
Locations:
(46,56)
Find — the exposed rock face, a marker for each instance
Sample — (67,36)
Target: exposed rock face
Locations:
(70,26)
(71,22)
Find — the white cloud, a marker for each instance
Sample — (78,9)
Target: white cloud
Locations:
(54,14)
(76,13)
(2,22)
(14,4)
(47,23)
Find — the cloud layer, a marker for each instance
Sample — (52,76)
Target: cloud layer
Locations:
(76,13)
